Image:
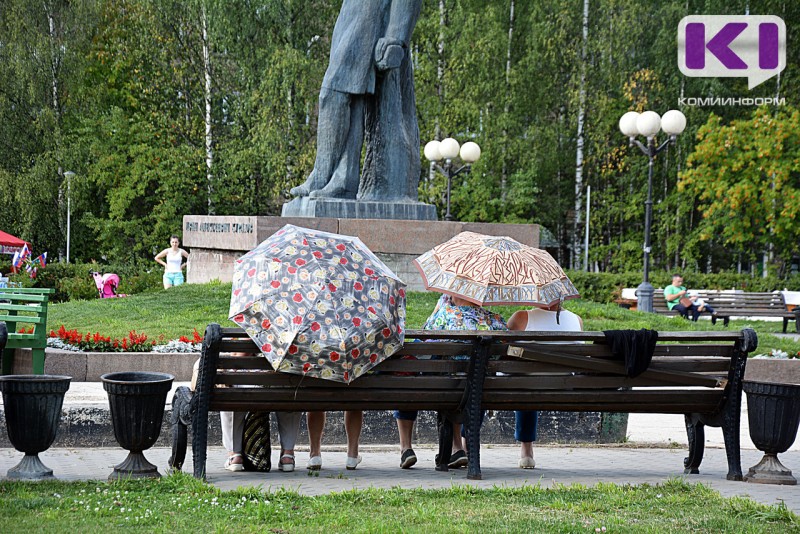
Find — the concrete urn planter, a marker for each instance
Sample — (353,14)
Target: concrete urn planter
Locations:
(137,403)
(773,408)
(32,406)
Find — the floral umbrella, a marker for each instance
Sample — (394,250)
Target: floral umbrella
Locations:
(489,270)
(318,304)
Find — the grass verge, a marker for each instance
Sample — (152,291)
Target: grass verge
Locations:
(178,503)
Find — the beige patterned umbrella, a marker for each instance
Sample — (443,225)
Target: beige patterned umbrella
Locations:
(489,270)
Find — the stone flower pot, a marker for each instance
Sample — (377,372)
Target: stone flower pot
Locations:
(136,400)
(773,409)
(32,405)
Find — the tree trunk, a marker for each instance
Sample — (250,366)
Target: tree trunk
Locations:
(507,106)
(209,138)
(437,130)
(576,237)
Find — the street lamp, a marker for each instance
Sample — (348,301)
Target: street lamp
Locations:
(68,175)
(648,124)
(447,150)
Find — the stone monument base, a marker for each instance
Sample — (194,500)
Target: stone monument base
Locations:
(216,241)
(337,208)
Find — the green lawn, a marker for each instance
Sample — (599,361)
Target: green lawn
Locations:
(179,503)
(179,310)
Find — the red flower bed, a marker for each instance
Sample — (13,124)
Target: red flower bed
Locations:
(99,343)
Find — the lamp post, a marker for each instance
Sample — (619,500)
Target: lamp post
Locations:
(68,175)
(648,124)
(447,150)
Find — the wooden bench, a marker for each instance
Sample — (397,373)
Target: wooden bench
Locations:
(25,307)
(729,305)
(698,374)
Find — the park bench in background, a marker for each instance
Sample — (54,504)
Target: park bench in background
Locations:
(729,305)
(698,374)
(25,308)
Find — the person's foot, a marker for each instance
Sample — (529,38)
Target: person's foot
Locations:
(458,459)
(527,462)
(332,190)
(286,463)
(234,462)
(352,463)
(304,189)
(314,463)
(407,459)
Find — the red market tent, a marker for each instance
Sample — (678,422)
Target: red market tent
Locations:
(10,244)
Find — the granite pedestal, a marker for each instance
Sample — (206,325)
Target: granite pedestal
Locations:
(358,209)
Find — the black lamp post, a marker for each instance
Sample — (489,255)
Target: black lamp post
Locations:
(648,124)
(448,150)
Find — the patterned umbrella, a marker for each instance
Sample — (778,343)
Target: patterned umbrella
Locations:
(489,270)
(318,304)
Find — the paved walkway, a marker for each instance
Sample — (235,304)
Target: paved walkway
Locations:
(653,455)
(555,465)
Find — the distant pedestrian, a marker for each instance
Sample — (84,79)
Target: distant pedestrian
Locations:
(174,264)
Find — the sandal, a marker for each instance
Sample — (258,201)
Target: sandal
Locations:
(314,463)
(231,463)
(287,467)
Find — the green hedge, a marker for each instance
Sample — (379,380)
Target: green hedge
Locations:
(607,287)
(74,282)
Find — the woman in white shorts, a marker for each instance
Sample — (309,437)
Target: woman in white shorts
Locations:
(174,264)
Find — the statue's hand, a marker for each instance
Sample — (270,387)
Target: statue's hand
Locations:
(389,53)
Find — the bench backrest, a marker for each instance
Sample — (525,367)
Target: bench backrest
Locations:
(748,301)
(25,308)
(553,370)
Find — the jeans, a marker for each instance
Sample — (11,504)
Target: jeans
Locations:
(526,426)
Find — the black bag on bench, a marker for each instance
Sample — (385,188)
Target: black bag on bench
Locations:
(256,449)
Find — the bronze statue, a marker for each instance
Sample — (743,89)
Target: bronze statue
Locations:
(368,91)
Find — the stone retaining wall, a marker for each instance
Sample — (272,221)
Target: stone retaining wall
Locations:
(90,366)
(90,426)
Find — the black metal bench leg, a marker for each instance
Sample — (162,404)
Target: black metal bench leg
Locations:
(205,382)
(695,431)
(797,319)
(445,426)
(785,324)
(731,421)
(180,418)
(474,409)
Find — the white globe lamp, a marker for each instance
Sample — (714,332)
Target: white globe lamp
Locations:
(432,152)
(648,123)
(673,122)
(448,148)
(627,124)
(470,152)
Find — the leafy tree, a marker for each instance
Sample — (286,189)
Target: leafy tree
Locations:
(746,178)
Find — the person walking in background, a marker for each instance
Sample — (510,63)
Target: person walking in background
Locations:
(551,319)
(174,264)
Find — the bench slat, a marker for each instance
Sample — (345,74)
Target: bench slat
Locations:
(21,319)
(21,307)
(593,364)
(23,298)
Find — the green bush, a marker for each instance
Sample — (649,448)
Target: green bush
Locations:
(607,287)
